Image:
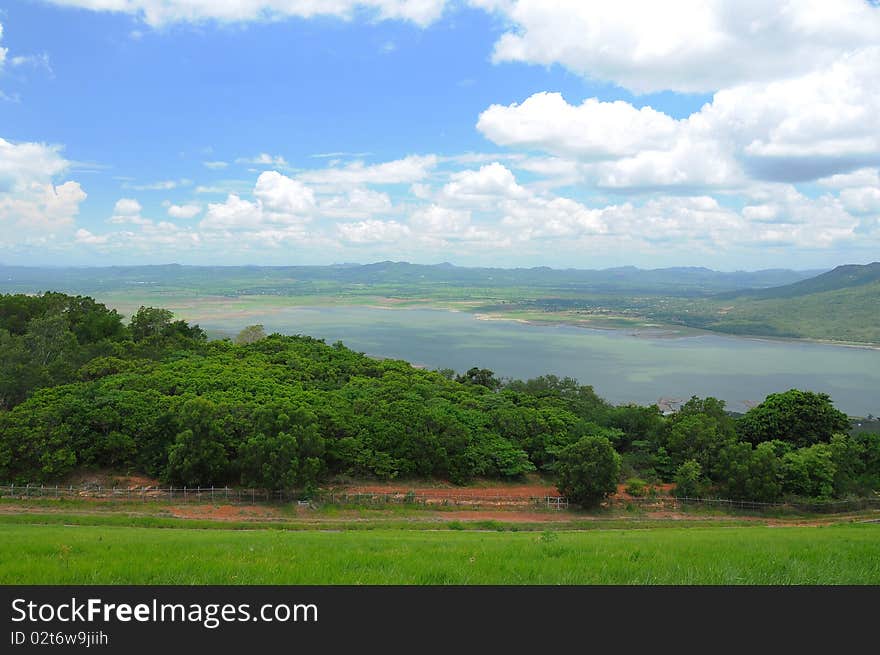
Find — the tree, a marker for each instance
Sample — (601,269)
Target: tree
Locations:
(250,334)
(196,459)
(587,470)
(149,322)
(270,462)
(198,456)
(698,437)
(802,418)
(480,376)
(689,481)
(749,473)
(810,472)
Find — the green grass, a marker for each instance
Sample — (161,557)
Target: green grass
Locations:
(840,554)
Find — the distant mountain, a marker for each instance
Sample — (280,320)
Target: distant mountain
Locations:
(840,305)
(842,277)
(393,277)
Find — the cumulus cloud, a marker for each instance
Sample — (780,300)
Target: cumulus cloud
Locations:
(357,203)
(30,202)
(127,207)
(817,125)
(684,45)
(144,240)
(372,231)
(184,211)
(593,130)
(282,195)
(489,183)
(858,178)
(162,12)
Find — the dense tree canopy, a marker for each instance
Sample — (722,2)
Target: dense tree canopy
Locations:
(79,388)
(802,418)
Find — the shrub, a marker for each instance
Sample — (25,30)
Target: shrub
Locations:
(636,487)
(587,470)
(689,480)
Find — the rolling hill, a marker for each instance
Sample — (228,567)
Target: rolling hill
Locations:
(840,305)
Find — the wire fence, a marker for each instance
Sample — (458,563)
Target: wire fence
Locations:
(805,507)
(233,495)
(251,496)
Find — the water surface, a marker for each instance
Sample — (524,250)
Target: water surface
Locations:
(622,365)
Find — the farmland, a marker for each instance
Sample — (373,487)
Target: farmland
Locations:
(700,554)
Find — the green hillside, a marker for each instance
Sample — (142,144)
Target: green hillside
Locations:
(842,277)
(841,305)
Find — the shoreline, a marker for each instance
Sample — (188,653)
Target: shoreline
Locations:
(682,329)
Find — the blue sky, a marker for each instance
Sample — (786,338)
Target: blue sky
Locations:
(487,132)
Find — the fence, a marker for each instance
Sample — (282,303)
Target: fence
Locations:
(251,496)
(233,495)
(818,507)
(144,494)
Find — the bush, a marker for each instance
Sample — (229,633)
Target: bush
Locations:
(689,480)
(636,487)
(810,472)
(587,470)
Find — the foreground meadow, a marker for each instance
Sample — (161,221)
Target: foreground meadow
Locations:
(52,554)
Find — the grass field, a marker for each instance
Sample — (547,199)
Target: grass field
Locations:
(88,554)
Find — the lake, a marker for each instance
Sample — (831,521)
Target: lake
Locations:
(621,365)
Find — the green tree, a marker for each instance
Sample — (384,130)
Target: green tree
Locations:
(198,456)
(149,322)
(587,471)
(689,481)
(482,377)
(699,437)
(270,462)
(250,334)
(802,418)
(810,472)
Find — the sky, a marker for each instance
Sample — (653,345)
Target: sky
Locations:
(515,133)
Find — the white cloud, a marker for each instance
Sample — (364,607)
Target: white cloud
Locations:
(3,51)
(30,202)
(127,211)
(144,241)
(858,178)
(184,211)
(161,12)
(441,220)
(357,203)
(489,183)
(823,123)
(283,195)
(161,185)
(861,200)
(127,206)
(215,165)
(373,231)
(264,159)
(37,61)
(683,45)
(83,236)
(593,130)
(413,168)
(232,214)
